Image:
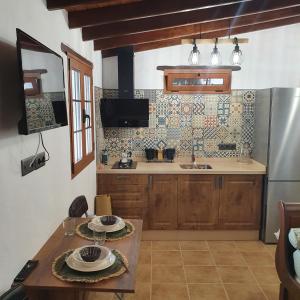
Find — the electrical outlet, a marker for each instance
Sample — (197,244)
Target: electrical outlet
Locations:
(32,163)
(227,146)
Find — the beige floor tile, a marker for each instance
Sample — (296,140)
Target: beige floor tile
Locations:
(98,296)
(228,258)
(142,292)
(258,258)
(207,292)
(235,274)
(248,246)
(201,274)
(145,257)
(271,291)
(193,245)
(244,292)
(146,245)
(165,245)
(143,273)
(265,275)
(166,258)
(221,246)
(271,249)
(202,258)
(169,291)
(168,274)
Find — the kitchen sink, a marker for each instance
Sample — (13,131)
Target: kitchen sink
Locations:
(195,166)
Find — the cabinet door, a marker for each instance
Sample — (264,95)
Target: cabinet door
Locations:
(240,201)
(163,202)
(129,195)
(198,201)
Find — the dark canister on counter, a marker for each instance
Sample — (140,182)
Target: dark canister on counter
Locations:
(169,153)
(104,157)
(150,153)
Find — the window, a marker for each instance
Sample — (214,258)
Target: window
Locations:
(81,110)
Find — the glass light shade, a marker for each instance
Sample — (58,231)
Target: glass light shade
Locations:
(194,57)
(215,58)
(237,56)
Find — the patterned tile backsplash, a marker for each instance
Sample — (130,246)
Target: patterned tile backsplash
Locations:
(183,122)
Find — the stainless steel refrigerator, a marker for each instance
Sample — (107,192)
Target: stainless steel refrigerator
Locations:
(277,145)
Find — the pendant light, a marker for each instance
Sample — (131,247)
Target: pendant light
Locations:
(215,57)
(194,57)
(237,54)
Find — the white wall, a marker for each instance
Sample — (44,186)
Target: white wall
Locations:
(31,207)
(272,59)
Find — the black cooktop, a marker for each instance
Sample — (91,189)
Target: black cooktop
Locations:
(129,165)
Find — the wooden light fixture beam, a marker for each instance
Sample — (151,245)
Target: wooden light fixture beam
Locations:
(209,35)
(194,30)
(185,18)
(143,9)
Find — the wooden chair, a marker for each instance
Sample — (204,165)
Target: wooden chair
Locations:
(289,218)
(78,207)
(15,293)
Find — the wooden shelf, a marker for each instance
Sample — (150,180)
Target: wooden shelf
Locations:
(185,67)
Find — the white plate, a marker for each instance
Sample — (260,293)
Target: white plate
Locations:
(74,261)
(97,225)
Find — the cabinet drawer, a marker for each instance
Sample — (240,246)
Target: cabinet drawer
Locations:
(122,179)
(108,189)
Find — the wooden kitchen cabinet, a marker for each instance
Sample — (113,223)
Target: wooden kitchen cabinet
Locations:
(129,195)
(186,202)
(163,202)
(198,201)
(240,201)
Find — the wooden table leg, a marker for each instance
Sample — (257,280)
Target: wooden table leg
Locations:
(120,296)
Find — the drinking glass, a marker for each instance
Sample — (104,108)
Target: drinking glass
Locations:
(99,237)
(69,226)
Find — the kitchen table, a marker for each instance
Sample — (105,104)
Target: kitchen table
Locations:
(43,285)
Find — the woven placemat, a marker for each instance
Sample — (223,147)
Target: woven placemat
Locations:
(83,231)
(62,271)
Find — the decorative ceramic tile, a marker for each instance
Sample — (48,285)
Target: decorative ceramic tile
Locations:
(249,97)
(196,132)
(161,144)
(186,108)
(198,121)
(209,132)
(236,108)
(198,108)
(183,122)
(150,143)
(210,108)
(222,133)
(152,108)
(173,121)
(186,146)
(139,94)
(211,145)
(210,121)
(110,93)
(173,133)
(161,121)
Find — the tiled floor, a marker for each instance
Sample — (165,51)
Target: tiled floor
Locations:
(206,270)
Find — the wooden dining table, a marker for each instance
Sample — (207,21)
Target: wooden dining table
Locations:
(43,285)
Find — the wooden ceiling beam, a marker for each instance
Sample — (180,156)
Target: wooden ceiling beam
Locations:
(83,4)
(185,18)
(143,9)
(195,29)
(208,35)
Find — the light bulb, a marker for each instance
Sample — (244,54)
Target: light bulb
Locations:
(215,58)
(237,56)
(194,57)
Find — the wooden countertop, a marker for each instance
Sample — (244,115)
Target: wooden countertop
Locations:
(219,166)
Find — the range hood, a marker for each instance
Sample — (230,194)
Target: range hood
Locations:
(126,72)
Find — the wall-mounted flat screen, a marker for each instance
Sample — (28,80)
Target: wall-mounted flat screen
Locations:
(42,86)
